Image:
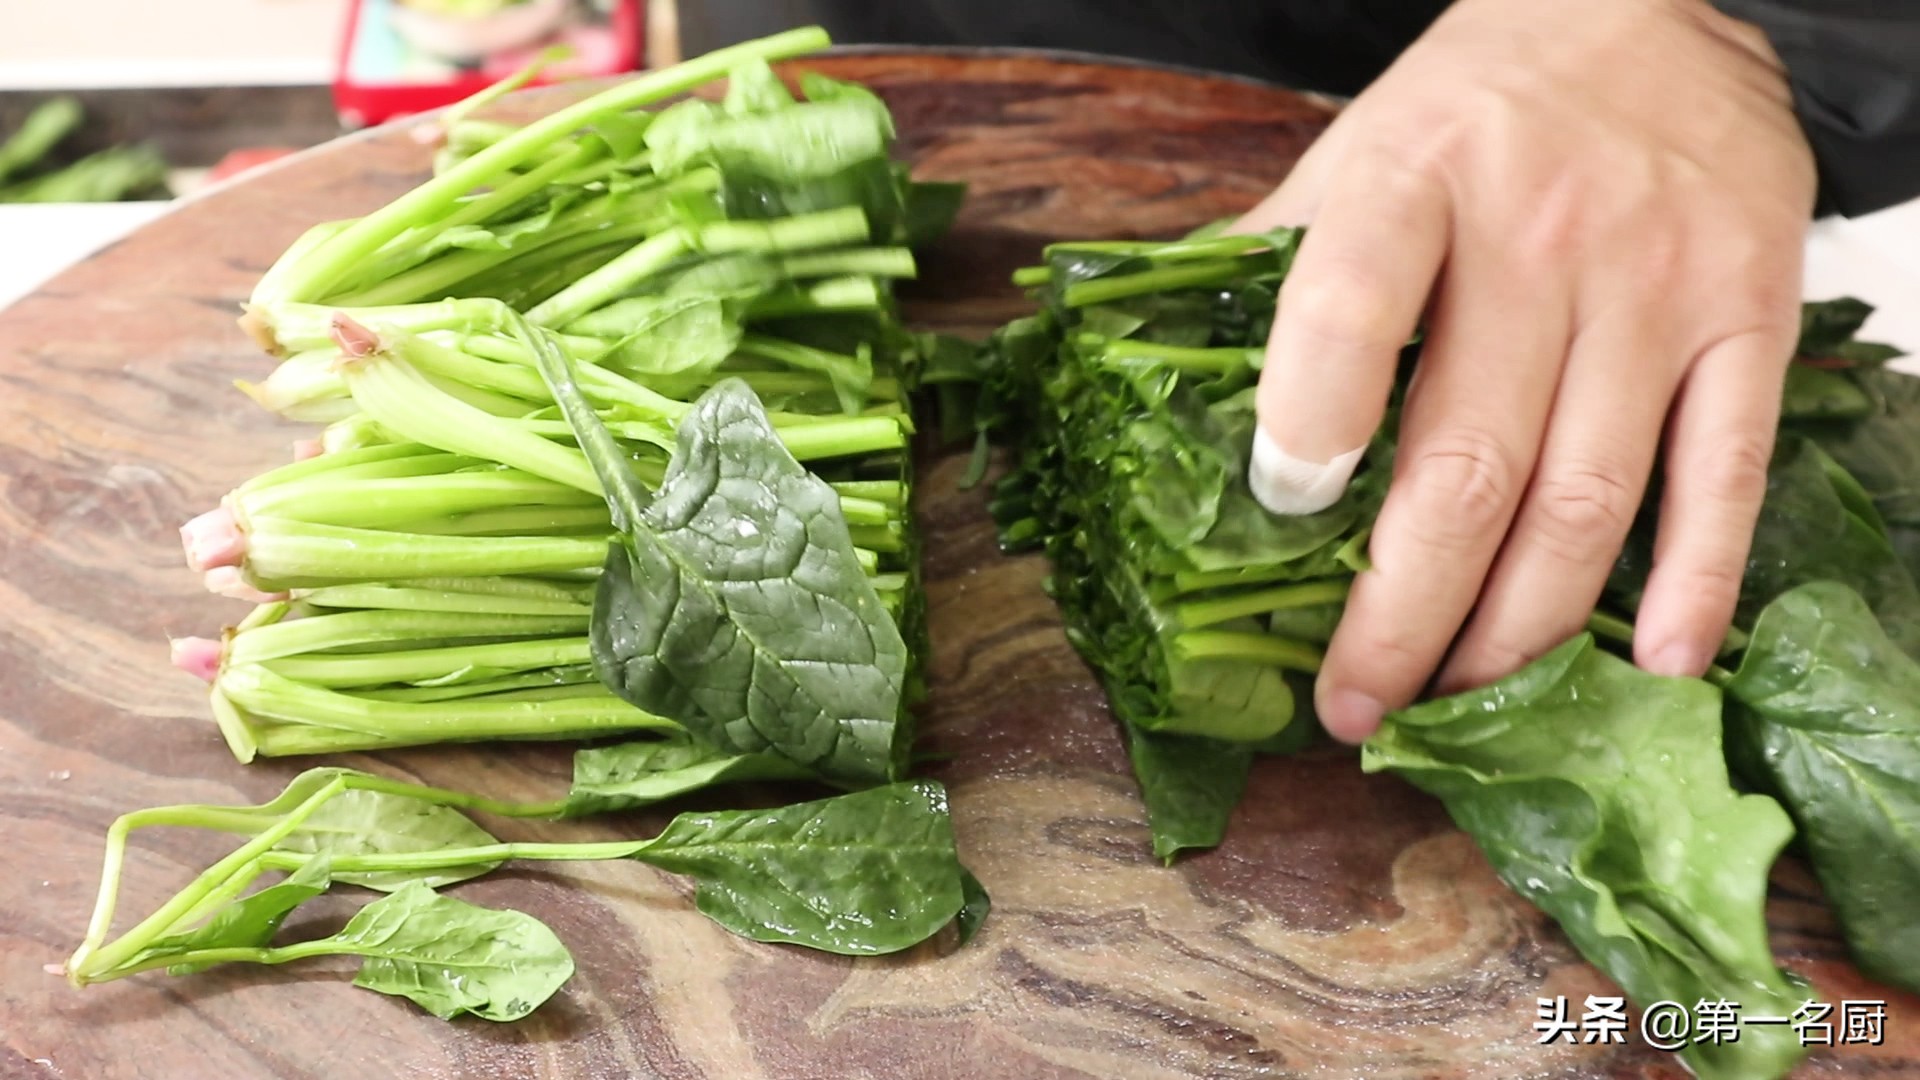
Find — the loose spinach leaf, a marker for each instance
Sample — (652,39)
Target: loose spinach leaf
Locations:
(1598,792)
(247,923)
(360,822)
(732,601)
(871,872)
(627,776)
(1826,714)
(973,913)
(451,958)
(1190,786)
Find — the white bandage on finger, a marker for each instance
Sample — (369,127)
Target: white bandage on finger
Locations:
(1286,485)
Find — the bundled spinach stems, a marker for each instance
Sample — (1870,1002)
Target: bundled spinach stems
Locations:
(1601,793)
(615,419)
(506,360)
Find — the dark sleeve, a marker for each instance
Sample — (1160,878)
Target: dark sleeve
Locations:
(1855,70)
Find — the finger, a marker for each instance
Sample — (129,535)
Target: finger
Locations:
(1600,443)
(1469,438)
(1350,302)
(1718,449)
(1294,202)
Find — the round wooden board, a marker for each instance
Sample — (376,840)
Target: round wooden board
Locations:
(1344,930)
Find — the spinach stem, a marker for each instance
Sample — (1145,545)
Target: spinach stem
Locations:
(1198,613)
(1268,649)
(92,956)
(375,626)
(282,554)
(301,714)
(422,665)
(316,275)
(1161,279)
(1188,359)
(408,861)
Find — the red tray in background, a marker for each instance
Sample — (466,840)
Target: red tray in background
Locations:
(379,75)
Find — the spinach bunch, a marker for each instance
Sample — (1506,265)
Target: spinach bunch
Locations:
(616,325)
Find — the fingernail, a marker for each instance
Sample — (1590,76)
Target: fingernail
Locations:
(1681,660)
(1349,715)
(1288,486)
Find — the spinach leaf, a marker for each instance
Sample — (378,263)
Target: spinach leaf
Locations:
(973,913)
(1811,528)
(1598,792)
(1826,714)
(450,957)
(1190,786)
(1826,325)
(732,601)
(630,775)
(754,88)
(1882,448)
(1813,393)
(870,872)
(668,334)
(362,822)
(247,923)
(807,141)
(931,207)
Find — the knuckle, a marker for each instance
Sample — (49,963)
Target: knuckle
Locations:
(1582,513)
(1464,487)
(1341,302)
(1735,470)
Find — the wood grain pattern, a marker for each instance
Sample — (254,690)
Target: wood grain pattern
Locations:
(1345,930)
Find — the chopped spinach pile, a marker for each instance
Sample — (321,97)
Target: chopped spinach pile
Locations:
(1611,799)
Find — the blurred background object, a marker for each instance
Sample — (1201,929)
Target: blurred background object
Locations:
(33,169)
(110,108)
(408,56)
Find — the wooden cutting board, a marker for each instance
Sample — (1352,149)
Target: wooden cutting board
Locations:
(1345,930)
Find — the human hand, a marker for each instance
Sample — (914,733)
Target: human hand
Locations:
(1600,211)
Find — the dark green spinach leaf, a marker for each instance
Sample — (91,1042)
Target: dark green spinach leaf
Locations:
(1826,714)
(1598,792)
(733,602)
(870,872)
(452,958)
(631,775)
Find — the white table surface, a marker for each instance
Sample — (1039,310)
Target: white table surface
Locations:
(1876,258)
